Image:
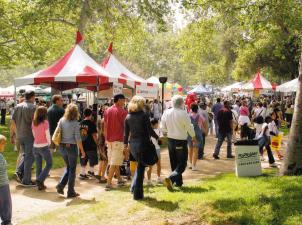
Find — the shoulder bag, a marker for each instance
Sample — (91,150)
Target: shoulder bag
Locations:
(57,135)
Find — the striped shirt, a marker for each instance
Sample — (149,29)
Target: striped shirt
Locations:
(3,173)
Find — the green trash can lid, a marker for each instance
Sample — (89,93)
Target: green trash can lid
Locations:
(246,142)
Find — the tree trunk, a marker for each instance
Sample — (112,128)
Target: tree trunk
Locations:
(293,159)
(84,16)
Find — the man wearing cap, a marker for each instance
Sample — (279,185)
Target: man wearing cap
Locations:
(22,121)
(114,119)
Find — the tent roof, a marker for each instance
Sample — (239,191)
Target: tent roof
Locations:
(257,83)
(290,86)
(66,69)
(153,80)
(235,86)
(118,70)
(199,90)
(75,69)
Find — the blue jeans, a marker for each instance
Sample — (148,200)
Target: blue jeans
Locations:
(221,137)
(178,153)
(201,148)
(40,154)
(138,179)
(216,128)
(5,205)
(27,146)
(70,156)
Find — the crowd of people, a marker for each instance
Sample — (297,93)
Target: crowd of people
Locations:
(117,137)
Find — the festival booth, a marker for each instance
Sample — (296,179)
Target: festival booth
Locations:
(290,86)
(139,85)
(199,90)
(233,88)
(259,85)
(76,69)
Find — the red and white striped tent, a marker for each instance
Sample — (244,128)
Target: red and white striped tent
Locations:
(76,69)
(118,70)
(258,83)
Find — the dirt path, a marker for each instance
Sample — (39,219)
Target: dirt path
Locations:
(28,202)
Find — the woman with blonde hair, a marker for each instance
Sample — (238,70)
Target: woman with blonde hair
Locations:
(138,128)
(40,129)
(70,144)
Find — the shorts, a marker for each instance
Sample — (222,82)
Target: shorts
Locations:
(91,157)
(197,144)
(115,153)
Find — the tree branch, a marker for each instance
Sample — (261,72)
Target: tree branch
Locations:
(62,20)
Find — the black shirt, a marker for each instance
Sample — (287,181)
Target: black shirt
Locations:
(54,114)
(224,118)
(138,126)
(87,129)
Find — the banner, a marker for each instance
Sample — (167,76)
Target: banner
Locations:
(147,92)
(117,89)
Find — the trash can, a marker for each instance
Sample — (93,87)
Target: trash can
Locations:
(247,158)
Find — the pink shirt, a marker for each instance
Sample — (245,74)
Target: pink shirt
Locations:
(114,118)
(41,134)
(244,111)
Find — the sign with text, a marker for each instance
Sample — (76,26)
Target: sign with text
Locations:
(248,161)
(147,92)
(117,89)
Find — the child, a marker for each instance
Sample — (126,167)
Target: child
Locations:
(40,129)
(89,140)
(5,196)
(274,131)
(155,126)
(264,141)
(102,148)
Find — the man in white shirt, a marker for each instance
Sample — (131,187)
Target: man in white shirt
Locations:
(176,123)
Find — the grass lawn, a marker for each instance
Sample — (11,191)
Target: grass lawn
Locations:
(224,200)
(11,156)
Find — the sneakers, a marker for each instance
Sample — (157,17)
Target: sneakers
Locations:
(73,195)
(30,184)
(273,165)
(91,174)
(83,177)
(230,157)
(108,187)
(41,186)
(262,158)
(168,184)
(60,190)
(121,183)
(190,166)
(18,177)
(215,156)
(102,181)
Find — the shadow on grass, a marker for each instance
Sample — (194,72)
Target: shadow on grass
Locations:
(80,201)
(160,204)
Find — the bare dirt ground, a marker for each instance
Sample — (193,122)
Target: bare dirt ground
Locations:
(28,202)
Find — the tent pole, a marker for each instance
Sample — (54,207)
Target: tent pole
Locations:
(15,94)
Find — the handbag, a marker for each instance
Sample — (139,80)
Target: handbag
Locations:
(259,119)
(57,135)
(149,155)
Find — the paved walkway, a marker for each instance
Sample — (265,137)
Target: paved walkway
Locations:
(28,202)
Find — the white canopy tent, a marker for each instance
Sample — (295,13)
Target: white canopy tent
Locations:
(233,87)
(290,86)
